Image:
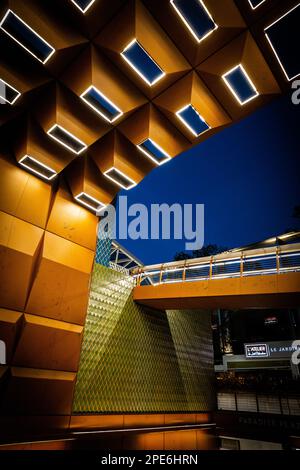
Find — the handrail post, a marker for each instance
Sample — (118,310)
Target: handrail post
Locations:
(161,273)
(184,272)
(139,277)
(211,267)
(277,260)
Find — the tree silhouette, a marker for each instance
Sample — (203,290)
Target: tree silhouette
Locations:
(206,250)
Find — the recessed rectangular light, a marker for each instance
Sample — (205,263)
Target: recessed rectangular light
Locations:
(196,17)
(65,138)
(8,94)
(37,167)
(153,151)
(89,201)
(26,37)
(256,3)
(83,5)
(192,120)
(101,104)
(240,84)
(142,63)
(281,35)
(119,178)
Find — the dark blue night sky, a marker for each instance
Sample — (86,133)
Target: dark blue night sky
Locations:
(247,176)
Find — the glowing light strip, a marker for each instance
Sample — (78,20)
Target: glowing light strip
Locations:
(148,154)
(156,428)
(3,97)
(86,8)
(288,255)
(273,48)
(186,123)
(242,103)
(95,209)
(38,163)
(63,143)
(123,175)
(258,5)
(136,69)
(31,29)
(229,275)
(82,96)
(190,27)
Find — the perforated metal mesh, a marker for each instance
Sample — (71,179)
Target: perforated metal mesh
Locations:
(139,360)
(103,251)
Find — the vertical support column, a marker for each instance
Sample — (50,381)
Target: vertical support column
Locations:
(277,260)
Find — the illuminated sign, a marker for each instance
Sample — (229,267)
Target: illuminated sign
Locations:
(256,350)
(274,349)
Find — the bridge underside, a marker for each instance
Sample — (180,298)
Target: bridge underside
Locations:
(265,291)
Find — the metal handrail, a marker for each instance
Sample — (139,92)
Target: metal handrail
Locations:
(272,260)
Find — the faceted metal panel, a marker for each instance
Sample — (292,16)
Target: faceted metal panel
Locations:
(140,360)
(191,333)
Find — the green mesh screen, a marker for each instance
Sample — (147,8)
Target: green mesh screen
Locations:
(135,359)
(103,250)
(104,243)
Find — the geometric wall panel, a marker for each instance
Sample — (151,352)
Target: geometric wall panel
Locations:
(48,344)
(115,155)
(88,185)
(63,277)
(191,90)
(274,32)
(22,79)
(135,359)
(225,15)
(34,143)
(97,71)
(19,243)
(244,51)
(71,220)
(281,34)
(10,323)
(23,195)
(135,22)
(96,15)
(36,391)
(149,123)
(60,35)
(58,106)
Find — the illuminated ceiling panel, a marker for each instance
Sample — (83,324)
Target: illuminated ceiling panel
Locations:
(196,17)
(89,202)
(38,168)
(240,84)
(65,138)
(153,151)
(142,63)
(120,178)
(192,120)
(26,37)
(256,3)
(83,5)
(101,104)
(8,94)
(282,35)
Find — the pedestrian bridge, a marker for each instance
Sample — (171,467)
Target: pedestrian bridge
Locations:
(264,277)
